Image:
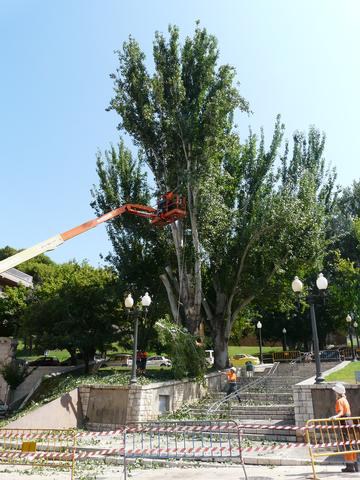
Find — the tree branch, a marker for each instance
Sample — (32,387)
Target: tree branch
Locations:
(172,300)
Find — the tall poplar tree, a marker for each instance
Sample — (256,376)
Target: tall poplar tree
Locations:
(253,212)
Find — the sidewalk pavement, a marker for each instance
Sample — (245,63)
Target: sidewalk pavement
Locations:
(254,472)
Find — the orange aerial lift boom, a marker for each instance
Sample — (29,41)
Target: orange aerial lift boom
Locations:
(171,207)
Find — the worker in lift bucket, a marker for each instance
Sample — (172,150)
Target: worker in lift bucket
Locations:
(342,409)
(165,203)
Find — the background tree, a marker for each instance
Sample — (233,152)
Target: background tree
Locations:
(76,308)
(343,225)
(13,303)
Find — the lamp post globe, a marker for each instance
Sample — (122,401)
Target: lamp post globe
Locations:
(297,285)
(321,282)
(146,300)
(129,301)
(348,318)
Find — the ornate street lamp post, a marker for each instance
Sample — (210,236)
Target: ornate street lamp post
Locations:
(355,324)
(322,285)
(349,321)
(284,341)
(259,327)
(129,304)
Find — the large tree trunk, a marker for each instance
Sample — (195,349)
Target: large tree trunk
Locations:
(221,342)
(73,359)
(184,290)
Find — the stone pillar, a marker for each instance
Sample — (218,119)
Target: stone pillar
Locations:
(303,403)
(7,355)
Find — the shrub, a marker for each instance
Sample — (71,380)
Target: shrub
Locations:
(13,374)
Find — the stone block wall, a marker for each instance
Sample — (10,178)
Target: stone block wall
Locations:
(7,354)
(318,401)
(143,402)
(303,405)
(106,407)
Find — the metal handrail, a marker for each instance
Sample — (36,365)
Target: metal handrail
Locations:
(257,381)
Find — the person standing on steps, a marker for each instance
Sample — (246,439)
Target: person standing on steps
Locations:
(249,369)
(231,383)
(342,409)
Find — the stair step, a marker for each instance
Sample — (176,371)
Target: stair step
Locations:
(249,409)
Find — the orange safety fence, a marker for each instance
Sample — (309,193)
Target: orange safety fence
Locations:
(347,353)
(327,437)
(39,448)
(286,356)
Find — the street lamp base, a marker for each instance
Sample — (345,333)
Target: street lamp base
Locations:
(319,379)
(133,381)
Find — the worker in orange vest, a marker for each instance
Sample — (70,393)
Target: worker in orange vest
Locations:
(342,409)
(232,386)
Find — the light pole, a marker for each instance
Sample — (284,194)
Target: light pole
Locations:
(356,333)
(322,285)
(129,303)
(284,341)
(349,321)
(259,327)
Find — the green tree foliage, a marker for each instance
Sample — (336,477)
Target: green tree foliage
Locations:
(75,308)
(139,250)
(13,374)
(188,358)
(256,214)
(344,225)
(345,291)
(13,303)
(181,118)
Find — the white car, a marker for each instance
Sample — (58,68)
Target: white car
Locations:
(158,361)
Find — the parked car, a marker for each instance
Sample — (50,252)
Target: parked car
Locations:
(330,356)
(44,362)
(158,361)
(241,359)
(119,360)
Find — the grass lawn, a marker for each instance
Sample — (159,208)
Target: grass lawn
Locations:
(62,355)
(252,350)
(346,374)
(25,355)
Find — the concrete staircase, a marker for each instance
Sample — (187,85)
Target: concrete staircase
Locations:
(265,400)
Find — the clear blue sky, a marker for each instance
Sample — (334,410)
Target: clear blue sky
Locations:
(299,58)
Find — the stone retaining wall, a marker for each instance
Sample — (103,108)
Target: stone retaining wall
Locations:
(7,355)
(318,400)
(139,403)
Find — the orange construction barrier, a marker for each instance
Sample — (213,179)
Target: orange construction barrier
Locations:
(333,436)
(38,448)
(286,356)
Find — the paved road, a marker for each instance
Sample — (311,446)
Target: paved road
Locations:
(105,472)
